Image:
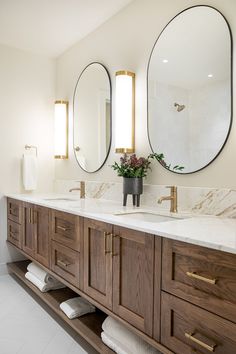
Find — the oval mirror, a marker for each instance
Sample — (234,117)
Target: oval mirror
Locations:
(92,117)
(190,89)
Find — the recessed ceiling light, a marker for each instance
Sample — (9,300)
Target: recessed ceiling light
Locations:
(165,61)
(210,75)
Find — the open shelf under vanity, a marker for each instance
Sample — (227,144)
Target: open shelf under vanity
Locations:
(88,326)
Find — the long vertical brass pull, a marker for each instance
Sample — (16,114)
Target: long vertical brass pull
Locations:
(210,348)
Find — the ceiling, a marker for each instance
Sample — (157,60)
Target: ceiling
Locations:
(50,27)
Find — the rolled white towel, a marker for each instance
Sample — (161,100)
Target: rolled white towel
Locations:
(128,339)
(42,286)
(114,345)
(76,307)
(41,274)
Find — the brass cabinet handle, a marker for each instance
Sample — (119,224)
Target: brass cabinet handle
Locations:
(190,336)
(63,228)
(62,263)
(105,234)
(199,277)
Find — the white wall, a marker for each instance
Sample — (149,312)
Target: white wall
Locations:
(125,42)
(27,91)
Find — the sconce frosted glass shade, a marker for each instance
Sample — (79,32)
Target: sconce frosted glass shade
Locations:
(61,130)
(125,96)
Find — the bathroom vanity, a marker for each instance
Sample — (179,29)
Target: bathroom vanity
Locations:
(173,282)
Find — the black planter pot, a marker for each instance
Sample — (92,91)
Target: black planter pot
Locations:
(134,186)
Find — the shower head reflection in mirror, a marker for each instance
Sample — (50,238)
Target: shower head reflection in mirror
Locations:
(180,107)
(195,81)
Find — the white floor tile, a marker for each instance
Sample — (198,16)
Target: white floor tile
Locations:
(26,328)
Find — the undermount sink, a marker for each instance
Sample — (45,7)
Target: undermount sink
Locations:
(147,216)
(60,199)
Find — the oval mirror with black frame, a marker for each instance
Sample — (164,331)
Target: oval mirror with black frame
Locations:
(92,117)
(189,84)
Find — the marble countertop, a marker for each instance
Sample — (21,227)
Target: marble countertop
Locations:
(209,231)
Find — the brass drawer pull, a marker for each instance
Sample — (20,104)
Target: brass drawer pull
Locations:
(199,277)
(62,263)
(63,228)
(211,348)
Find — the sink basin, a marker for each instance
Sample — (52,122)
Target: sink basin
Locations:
(60,199)
(147,216)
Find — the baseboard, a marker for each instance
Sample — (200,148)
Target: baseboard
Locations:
(3,269)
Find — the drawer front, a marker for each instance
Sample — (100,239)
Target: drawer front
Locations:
(14,210)
(66,229)
(65,262)
(14,233)
(188,329)
(200,275)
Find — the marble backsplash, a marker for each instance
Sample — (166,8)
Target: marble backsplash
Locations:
(197,200)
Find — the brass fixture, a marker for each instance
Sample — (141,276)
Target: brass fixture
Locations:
(172,197)
(61,129)
(81,189)
(125,112)
(210,348)
(199,277)
(180,107)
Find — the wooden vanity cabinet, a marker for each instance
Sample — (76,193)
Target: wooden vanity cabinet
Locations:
(35,241)
(15,220)
(202,276)
(188,329)
(98,261)
(119,270)
(133,271)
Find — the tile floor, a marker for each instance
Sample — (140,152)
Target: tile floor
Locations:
(26,328)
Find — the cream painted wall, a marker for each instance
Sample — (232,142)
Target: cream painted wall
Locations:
(125,42)
(27,91)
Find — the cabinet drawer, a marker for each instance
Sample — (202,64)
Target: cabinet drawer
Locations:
(14,233)
(200,275)
(66,229)
(14,210)
(188,329)
(65,262)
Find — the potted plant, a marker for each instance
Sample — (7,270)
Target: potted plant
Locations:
(132,169)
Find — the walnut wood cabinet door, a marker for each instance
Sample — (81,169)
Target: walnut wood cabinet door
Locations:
(98,261)
(41,234)
(133,271)
(36,232)
(28,244)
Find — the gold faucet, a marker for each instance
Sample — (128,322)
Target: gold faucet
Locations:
(172,197)
(81,189)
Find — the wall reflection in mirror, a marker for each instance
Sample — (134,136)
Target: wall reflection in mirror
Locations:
(92,117)
(189,89)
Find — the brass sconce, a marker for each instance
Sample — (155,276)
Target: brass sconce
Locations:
(125,112)
(61,130)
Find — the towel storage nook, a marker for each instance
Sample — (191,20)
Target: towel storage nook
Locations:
(175,295)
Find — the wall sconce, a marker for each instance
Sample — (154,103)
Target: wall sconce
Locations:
(61,130)
(125,103)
